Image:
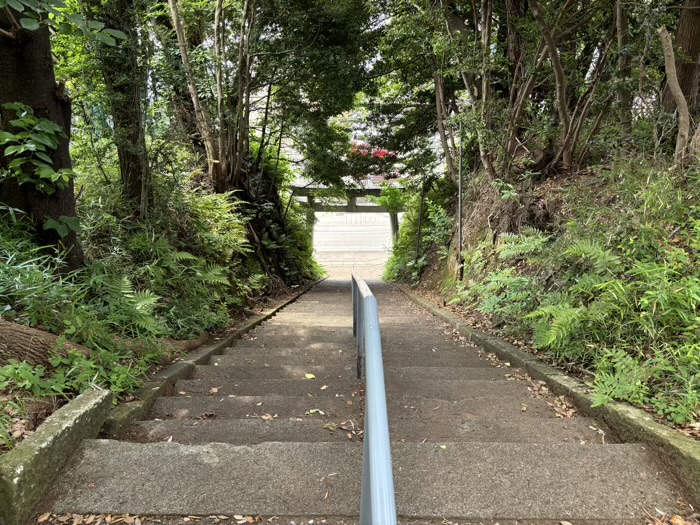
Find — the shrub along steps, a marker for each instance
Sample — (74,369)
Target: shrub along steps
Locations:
(472,439)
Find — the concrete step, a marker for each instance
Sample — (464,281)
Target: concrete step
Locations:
(522,430)
(298,357)
(241,407)
(281,387)
(423,373)
(234,373)
(242,431)
(463,480)
(454,390)
(406,407)
(250,346)
(327,372)
(296,330)
(287,340)
(311,430)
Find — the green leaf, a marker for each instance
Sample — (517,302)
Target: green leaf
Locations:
(119,35)
(74,224)
(29,24)
(13,150)
(17,6)
(95,25)
(46,140)
(53,224)
(6,137)
(43,156)
(105,39)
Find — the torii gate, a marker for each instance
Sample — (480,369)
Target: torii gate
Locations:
(351,206)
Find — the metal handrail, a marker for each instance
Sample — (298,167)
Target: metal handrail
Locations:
(377,504)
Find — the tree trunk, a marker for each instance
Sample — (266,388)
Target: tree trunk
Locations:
(560,81)
(678,95)
(486,16)
(201,113)
(625,67)
(29,344)
(28,77)
(125,95)
(688,59)
(439,111)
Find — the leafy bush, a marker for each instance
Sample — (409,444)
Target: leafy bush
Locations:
(616,290)
(406,262)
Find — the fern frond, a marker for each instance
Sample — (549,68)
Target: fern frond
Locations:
(599,258)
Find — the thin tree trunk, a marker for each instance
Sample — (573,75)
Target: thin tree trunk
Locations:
(624,67)
(439,110)
(560,80)
(486,15)
(688,61)
(240,108)
(679,97)
(219,24)
(201,113)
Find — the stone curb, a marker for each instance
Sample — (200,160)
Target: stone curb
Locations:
(162,383)
(681,454)
(27,471)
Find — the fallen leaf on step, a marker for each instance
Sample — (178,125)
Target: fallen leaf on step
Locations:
(348,403)
(677,520)
(169,440)
(214,390)
(443,446)
(324,387)
(182,393)
(349,436)
(564,523)
(259,404)
(331,426)
(268,417)
(43,517)
(315,411)
(309,376)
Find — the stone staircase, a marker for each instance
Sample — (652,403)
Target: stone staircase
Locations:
(251,434)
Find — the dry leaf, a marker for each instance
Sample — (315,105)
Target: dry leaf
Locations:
(324,387)
(309,376)
(331,426)
(677,520)
(214,390)
(43,517)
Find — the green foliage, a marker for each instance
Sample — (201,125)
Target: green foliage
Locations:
(406,261)
(29,150)
(35,13)
(621,297)
(513,246)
